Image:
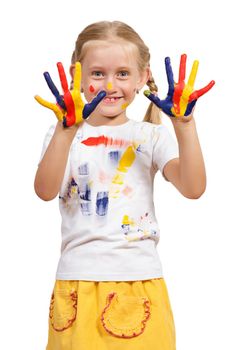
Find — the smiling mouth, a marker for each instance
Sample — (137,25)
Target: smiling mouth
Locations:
(108,100)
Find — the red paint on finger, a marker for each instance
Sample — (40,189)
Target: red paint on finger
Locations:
(198,93)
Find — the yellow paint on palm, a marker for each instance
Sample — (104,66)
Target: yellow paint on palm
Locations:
(109,86)
(126,160)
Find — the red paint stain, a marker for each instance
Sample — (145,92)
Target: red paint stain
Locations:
(91,88)
(104,140)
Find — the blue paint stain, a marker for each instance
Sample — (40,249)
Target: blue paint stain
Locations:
(86,208)
(139,148)
(102,202)
(114,156)
(85,193)
(72,184)
(125,228)
(83,169)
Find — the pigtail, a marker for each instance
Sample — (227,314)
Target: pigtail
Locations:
(153,113)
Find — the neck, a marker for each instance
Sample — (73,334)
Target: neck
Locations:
(103,120)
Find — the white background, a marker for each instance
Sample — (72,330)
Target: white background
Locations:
(198,237)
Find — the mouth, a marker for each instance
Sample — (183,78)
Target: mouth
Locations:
(111,100)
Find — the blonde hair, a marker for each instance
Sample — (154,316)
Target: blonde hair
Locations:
(106,30)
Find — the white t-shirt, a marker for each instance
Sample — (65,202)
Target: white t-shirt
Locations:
(109,228)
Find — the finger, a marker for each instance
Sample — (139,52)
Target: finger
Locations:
(54,90)
(170,76)
(49,105)
(62,77)
(153,98)
(193,74)
(182,68)
(90,107)
(77,77)
(196,94)
(43,102)
(190,108)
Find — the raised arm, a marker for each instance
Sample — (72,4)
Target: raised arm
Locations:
(187,173)
(70,111)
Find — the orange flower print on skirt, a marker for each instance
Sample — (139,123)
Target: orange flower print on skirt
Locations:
(125,316)
(63,309)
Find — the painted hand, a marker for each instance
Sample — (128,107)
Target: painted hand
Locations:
(181,98)
(69,108)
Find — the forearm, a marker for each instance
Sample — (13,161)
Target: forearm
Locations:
(51,169)
(192,175)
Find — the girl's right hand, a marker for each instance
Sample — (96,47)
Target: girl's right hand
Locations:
(69,108)
(181,97)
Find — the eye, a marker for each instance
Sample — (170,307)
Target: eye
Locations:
(97,74)
(123,74)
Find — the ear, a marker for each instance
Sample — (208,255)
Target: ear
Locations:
(144,77)
(72,70)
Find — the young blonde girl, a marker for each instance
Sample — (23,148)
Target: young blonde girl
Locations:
(110,292)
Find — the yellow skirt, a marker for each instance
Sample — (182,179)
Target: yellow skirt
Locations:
(130,315)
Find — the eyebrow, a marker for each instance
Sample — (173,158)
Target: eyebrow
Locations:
(101,67)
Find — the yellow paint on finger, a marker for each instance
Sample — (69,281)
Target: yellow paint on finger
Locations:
(109,86)
(77,77)
(189,87)
(76,95)
(57,111)
(193,74)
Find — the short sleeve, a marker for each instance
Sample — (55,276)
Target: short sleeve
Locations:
(164,147)
(47,140)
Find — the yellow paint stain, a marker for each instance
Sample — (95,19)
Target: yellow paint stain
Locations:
(74,189)
(118,179)
(135,144)
(109,86)
(126,160)
(127,221)
(125,105)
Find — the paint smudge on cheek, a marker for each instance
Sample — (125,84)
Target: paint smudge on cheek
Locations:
(91,88)
(125,105)
(109,86)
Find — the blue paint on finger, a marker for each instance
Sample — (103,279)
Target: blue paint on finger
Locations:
(190,108)
(170,76)
(54,90)
(90,107)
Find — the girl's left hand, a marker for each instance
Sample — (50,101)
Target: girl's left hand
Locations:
(181,98)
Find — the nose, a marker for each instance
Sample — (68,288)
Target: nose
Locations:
(110,85)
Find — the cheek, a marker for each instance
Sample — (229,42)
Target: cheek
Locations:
(93,87)
(129,88)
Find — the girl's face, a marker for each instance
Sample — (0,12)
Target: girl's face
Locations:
(112,67)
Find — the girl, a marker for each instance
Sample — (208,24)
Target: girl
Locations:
(110,292)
